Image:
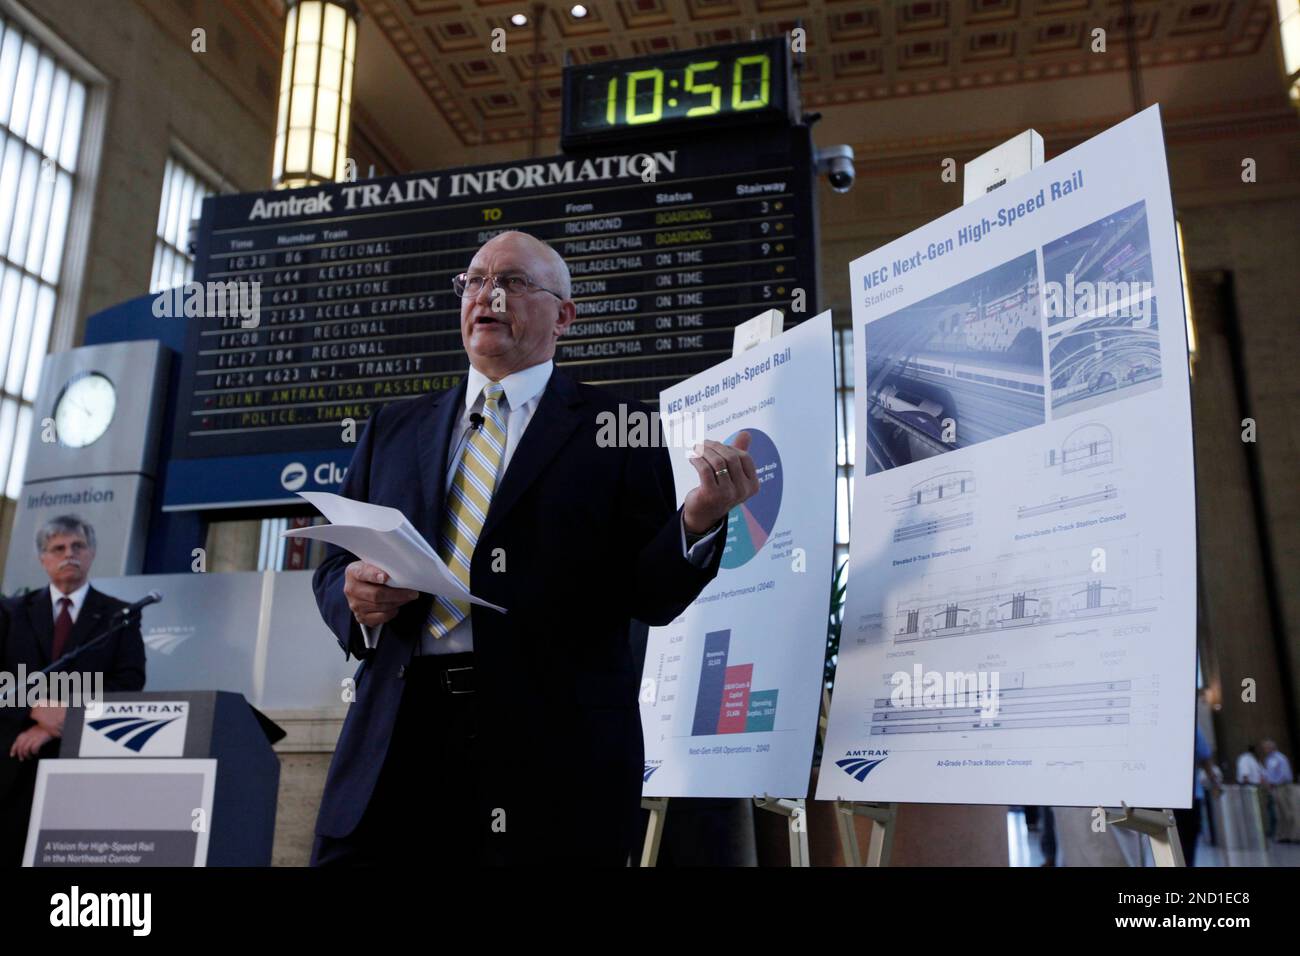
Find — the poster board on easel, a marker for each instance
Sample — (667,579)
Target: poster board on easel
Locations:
(731,689)
(1024,428)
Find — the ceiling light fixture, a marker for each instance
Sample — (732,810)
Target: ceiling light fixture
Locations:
(311,126)
(1288,21)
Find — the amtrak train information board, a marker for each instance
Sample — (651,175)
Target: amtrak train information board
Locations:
(670,248)
(1021,616)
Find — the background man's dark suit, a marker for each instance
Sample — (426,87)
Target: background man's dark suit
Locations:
(591,539)
(27,637)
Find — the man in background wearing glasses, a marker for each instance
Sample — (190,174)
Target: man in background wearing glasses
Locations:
(36,629)
(477,737)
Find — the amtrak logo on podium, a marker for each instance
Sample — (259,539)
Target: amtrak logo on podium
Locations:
(145,728)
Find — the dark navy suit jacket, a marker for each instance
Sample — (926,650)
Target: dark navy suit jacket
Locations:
(27,637)
(591,539)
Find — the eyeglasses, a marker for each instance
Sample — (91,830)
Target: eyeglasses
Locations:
(512,283)
(76,547)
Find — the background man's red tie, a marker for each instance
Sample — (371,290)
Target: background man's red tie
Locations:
(62,628)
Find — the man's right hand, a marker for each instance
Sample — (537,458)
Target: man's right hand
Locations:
(29,743)
(371,600)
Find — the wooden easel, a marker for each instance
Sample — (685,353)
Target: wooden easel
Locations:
(1158,825)
(881,815)
(1160,829)
(748,334)
(654,829)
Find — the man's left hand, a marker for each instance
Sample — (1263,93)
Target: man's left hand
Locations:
(727,478)
(50,718)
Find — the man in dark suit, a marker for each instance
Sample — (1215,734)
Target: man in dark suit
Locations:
(36,629)
(481,737)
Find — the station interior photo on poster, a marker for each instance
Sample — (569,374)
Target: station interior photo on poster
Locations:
(650,434)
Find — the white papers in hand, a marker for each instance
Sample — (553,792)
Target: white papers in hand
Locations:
(382,536)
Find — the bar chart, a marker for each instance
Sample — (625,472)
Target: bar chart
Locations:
(725,702)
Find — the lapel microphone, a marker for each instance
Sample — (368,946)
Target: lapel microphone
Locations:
(475,420)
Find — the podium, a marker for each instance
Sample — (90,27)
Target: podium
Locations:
(158,778)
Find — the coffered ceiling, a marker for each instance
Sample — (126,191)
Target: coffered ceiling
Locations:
(856,52)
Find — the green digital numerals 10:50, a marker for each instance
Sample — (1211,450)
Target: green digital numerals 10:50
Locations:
(692,86)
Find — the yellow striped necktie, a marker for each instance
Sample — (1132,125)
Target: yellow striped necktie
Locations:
(467,505)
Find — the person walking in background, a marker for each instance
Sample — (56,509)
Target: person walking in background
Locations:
(1212,780)
(1249,769)
(1189,820)
(1277,798)
(1277,768)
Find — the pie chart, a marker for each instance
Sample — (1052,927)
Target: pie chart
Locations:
(749,525)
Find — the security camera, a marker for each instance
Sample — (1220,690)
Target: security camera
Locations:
(836,164)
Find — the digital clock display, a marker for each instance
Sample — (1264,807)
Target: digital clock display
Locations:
(741,83)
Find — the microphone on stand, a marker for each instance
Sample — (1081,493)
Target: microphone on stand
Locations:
(153,597)
(116,621)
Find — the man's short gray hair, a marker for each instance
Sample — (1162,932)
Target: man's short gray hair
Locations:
(65,524)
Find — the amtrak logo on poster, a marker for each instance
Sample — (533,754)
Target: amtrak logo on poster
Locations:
(145,728)
(858,763)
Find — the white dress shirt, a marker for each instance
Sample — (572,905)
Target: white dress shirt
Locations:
(1249,769)
(77,597)
(523,393)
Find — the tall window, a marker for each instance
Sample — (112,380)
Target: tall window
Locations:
(182,200)
(275,553)
(42,107)
(270,546)
(1288,20)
